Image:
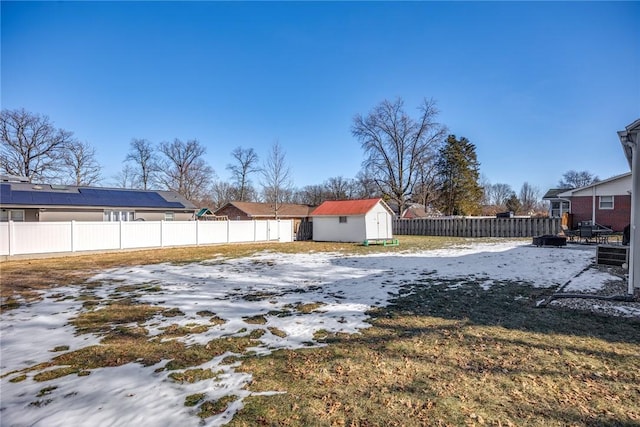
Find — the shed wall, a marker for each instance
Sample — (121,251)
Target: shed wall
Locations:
(379,223)
(330,229)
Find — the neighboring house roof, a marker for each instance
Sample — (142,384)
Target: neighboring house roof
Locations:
(256,209)
(348,207)
(571,192)
(419,211)
(46,195)
(553,193)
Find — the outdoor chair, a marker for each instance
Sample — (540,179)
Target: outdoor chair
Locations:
(586,233)
(569,234)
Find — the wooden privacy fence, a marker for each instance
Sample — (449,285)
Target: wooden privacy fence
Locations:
(305,231)
(477,227)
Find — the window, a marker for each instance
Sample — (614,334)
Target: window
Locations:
(11,215)
(342,219)
(606,202)
(119,216)
(168,216)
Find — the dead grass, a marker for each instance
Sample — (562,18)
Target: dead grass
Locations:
(454,357)
(445,353)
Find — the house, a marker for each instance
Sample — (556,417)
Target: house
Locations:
(24,201)
(606,202)
(352,221)
(630,140)
(256,210)
(416,210)
(557,205)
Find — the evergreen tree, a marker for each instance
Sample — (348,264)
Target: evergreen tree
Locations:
(458,178)
(513,204)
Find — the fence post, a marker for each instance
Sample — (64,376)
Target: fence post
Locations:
(11,233)
(73,235)
(228,226)
(120,233)
(197,233)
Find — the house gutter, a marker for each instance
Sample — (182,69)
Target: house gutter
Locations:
(629,142)
(593,204)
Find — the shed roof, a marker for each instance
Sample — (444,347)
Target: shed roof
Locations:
(347,207)
(256,209)
(37,195)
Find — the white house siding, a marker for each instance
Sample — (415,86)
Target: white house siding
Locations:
(615,187)
(330,229)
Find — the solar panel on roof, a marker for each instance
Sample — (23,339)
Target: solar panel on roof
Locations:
(87,197)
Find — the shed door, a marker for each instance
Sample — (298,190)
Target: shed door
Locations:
(382,226)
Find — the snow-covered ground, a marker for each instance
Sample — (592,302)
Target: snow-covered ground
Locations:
(235,290)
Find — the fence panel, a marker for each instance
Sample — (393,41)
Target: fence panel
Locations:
(93,236)
(285,230)
(241,231)
(4,238)
(179,233)
(477,227)
(141,234)
(41,237)
(261,231)
(210,232)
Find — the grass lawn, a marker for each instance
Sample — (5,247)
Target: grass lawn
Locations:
(442,357)
(438,355)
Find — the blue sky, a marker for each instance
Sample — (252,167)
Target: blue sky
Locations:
(538,87)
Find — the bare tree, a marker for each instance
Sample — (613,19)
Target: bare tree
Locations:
(396,145)
(126,178)
(222,192)
(142,155)
(500,193)
(529,197)
(338,188)
(312,195)
(183,169)
(364,186)
(247,163)
(79,161)
(574,179)
(425,189)
(486,190)
(31,146)
(276,184)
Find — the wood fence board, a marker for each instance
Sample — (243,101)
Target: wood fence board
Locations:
(477,227)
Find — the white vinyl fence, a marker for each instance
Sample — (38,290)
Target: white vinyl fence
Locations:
(22,238)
